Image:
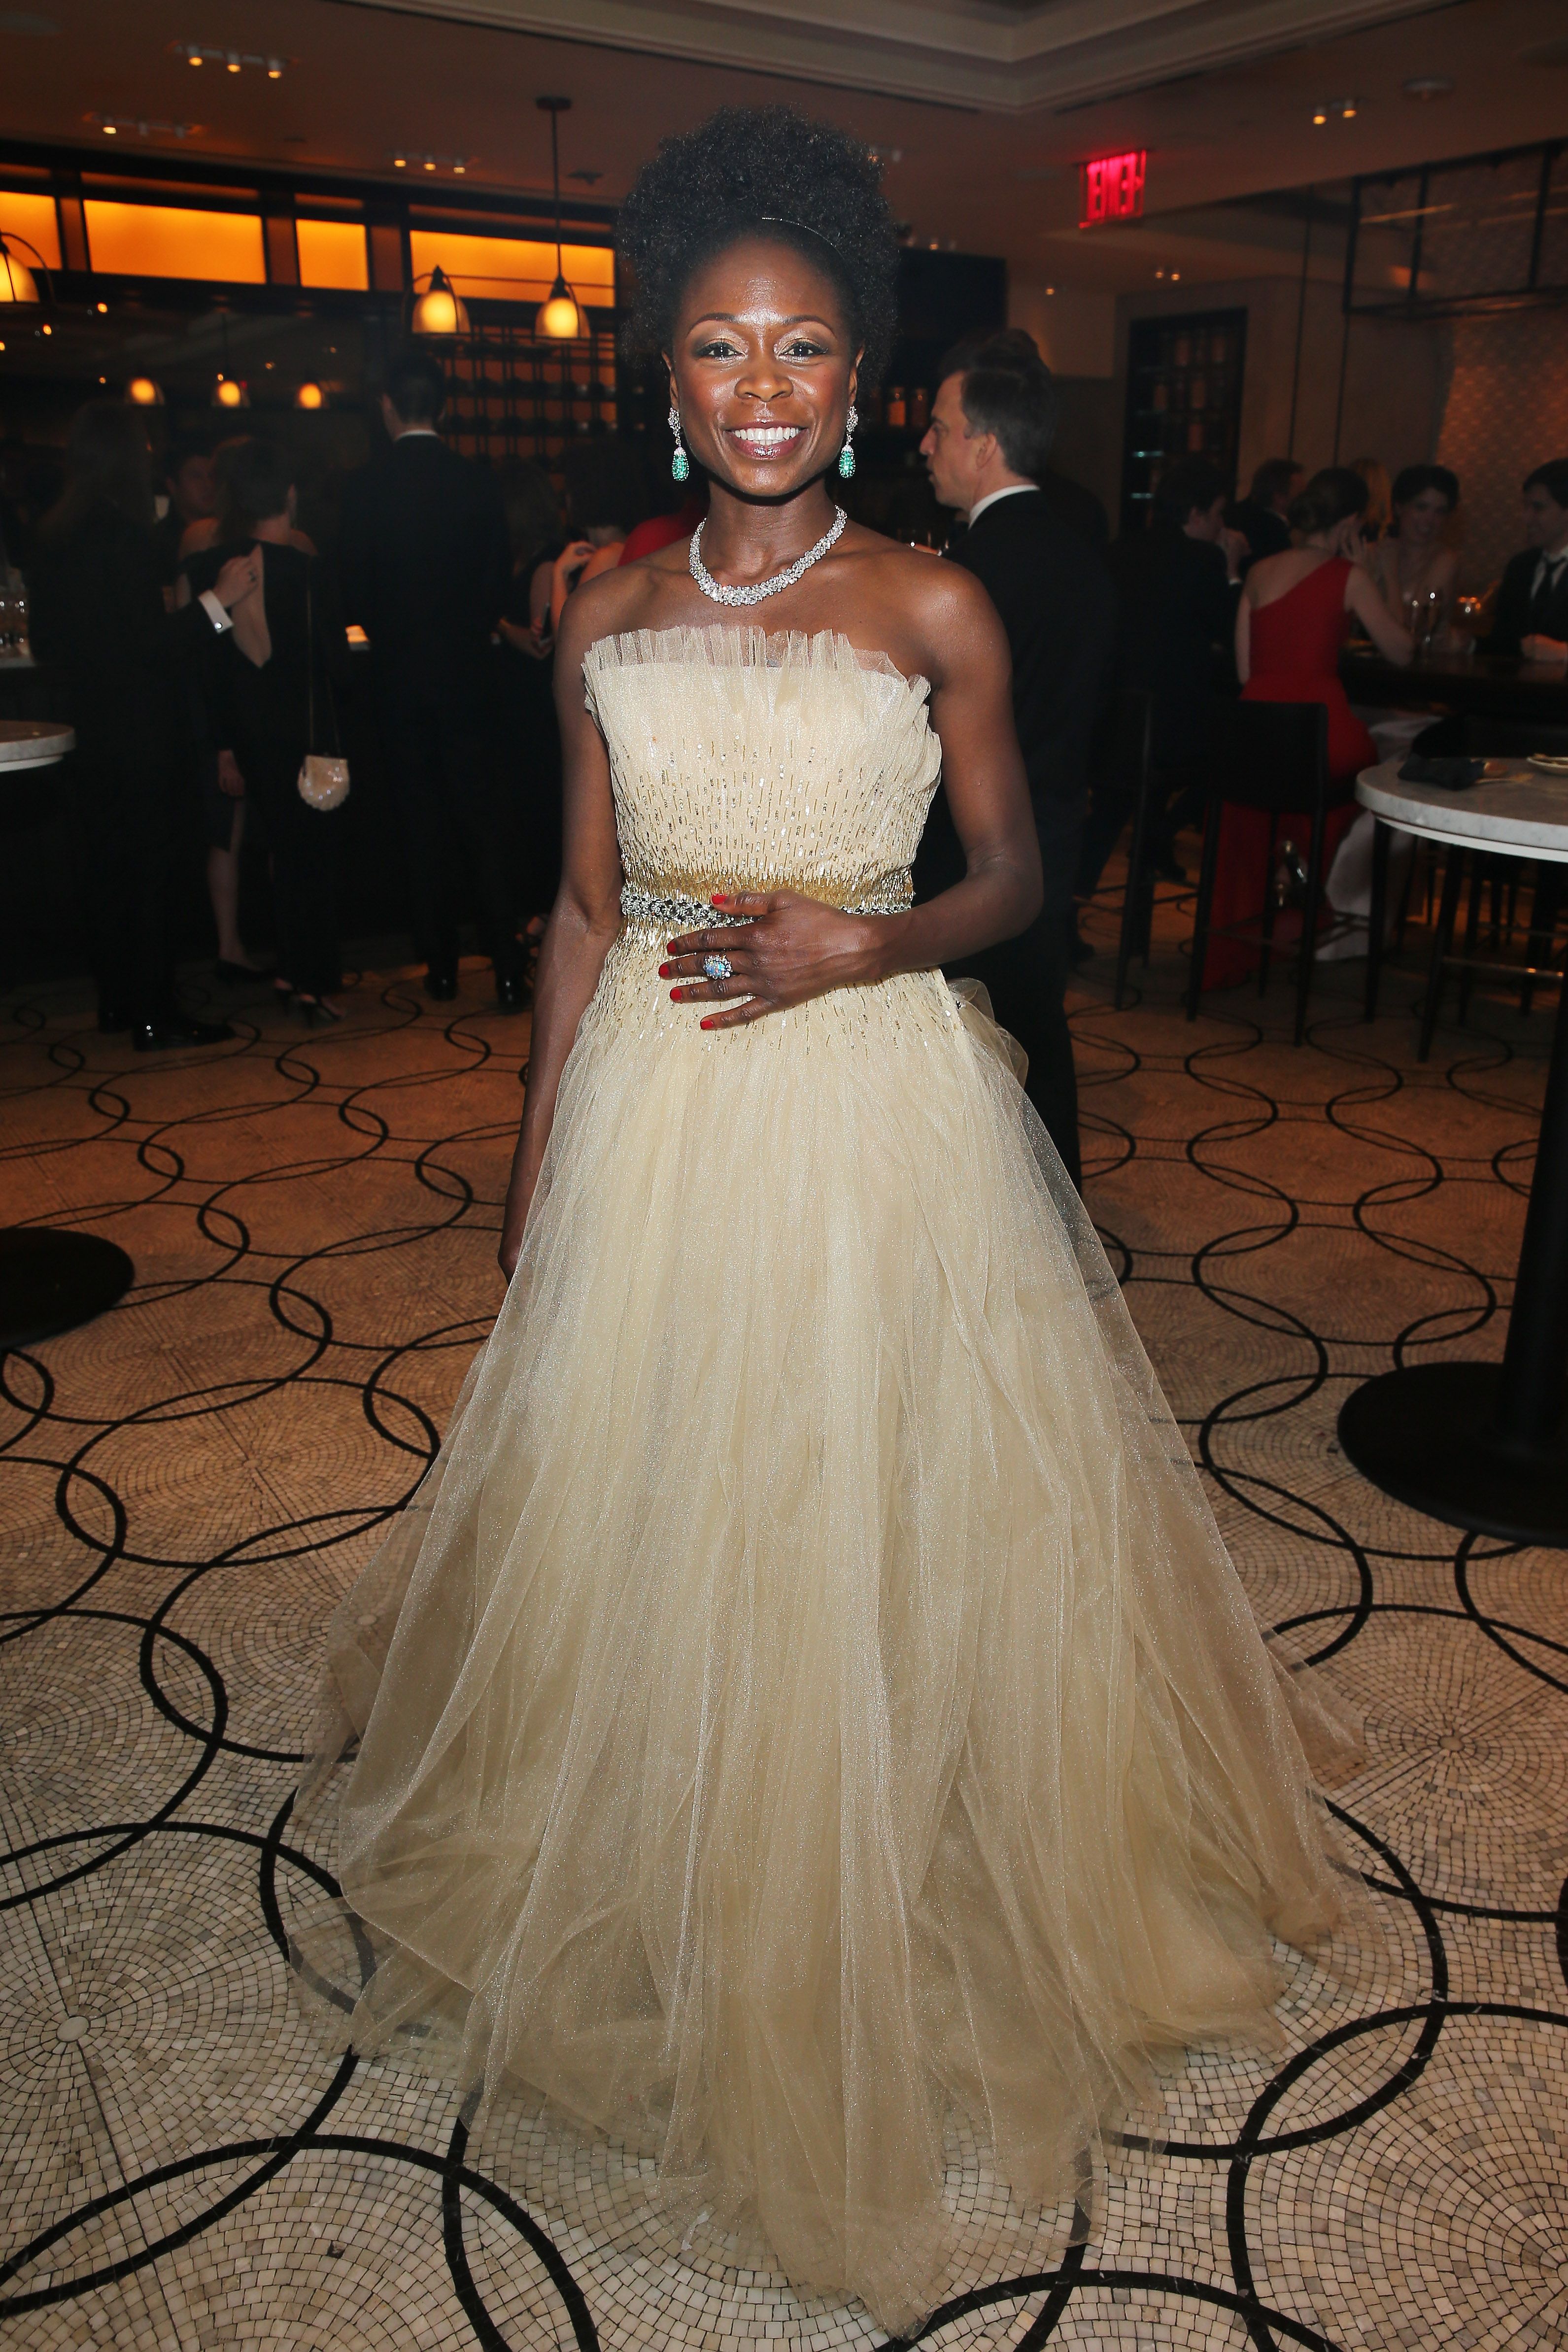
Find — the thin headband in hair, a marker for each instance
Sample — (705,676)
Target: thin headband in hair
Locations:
(782,220)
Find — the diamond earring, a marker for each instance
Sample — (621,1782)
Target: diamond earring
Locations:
(680,464)
(846,455)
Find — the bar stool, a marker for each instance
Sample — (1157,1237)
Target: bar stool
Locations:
(1272,756)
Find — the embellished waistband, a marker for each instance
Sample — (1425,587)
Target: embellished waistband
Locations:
(675,911)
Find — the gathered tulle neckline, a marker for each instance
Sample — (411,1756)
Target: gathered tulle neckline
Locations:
(718,645)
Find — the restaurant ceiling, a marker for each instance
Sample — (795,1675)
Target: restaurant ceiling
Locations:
(1006,55)
(363,84)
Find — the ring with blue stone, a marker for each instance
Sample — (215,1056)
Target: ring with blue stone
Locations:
(718,967)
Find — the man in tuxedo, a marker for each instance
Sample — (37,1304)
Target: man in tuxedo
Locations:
(1530,617)
(1176,584)
(1263,515)
(425,573)
(992,422)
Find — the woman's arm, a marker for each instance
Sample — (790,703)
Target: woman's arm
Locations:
(794,949)
(1364,598)
(584,922)
(1243,627)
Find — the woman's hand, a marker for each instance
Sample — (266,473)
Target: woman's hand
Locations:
(789,950)
(239,578)
(229,779)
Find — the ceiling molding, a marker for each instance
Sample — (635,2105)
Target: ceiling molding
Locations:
(1009,57)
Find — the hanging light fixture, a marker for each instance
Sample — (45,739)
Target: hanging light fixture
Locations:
(560,319)
(20,268)
(141,391)
(310,395)
(439,310)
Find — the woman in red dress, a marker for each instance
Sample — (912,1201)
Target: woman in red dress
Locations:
(1293,618)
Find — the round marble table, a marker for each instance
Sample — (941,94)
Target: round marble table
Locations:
(51,1280)
(1484,1445)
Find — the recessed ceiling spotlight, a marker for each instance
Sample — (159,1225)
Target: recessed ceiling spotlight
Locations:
(1319,116)
(113,125)
(1348,111)
(232,60)
(1428,86)
(1159,273)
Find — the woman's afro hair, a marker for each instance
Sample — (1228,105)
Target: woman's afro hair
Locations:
(768,168)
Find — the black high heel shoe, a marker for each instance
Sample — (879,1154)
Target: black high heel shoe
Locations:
(315,1010)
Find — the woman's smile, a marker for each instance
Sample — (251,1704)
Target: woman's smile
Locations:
(765,441)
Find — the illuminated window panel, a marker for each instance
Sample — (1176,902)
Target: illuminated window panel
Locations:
(34,218)
(513,268)
(331,253)
(166,241)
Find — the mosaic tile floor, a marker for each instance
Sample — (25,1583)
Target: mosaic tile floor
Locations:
(187,1485)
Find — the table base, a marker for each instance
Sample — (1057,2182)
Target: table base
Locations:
(1424,1436)
(50,1282)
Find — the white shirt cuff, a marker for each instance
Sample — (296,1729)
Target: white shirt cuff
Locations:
(214,610)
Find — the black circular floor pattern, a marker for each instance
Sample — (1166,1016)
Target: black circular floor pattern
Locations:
(188,1484)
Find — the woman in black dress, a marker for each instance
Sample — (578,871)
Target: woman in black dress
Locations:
(268,691)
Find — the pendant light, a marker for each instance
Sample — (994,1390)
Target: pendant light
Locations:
(18,282)
(438,311)
(560,319)
(227,392)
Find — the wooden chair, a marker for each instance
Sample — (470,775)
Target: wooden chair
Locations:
(1272,756)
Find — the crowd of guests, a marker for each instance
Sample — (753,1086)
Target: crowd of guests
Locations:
(202,653)
(206,657)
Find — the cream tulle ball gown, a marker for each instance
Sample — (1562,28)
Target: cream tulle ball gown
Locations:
(809,1691)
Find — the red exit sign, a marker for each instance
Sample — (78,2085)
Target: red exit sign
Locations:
(1113,188)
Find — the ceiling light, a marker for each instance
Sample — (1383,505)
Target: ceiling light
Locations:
(1050,290)
(143,392)
(310,395)
(193,57)
(1428,86)
(1347,111)
(429,166)
(274,73)
(46,328)
(559,320)
(1174,275)
(1159,273)
(399,163)
(227,393)
(233,64)
(111,129)
(17,283)
(438,311)
(1320,117)
(102,307)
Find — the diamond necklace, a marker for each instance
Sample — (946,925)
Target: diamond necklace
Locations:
(710,587)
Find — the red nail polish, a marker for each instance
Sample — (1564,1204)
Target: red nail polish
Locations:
(705,1025)
(720,898)
(664,970)
(675,995)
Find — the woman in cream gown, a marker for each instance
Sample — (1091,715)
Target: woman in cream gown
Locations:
(808,1693)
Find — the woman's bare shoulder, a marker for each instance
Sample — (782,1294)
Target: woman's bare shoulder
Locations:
(939,610)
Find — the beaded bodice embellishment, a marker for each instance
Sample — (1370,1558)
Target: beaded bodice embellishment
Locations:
(742,761)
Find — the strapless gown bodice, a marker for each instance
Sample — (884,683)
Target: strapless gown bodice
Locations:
(744,761)
(809,1697)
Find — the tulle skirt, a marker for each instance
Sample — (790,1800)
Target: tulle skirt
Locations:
(809,1691)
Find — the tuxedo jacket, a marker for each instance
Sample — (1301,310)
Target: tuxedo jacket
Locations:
(1054,595)
(1513,618)
(426,569)
(1176,623)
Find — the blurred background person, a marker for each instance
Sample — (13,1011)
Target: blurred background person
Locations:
(1262,516)
(1291,620)
(1176,583)
(1531,618)
(1413,564)
(606,498)
(529,736)
(992,422)
(269,695)
(98,616)
(1377,517)
(190,484)
(426,571)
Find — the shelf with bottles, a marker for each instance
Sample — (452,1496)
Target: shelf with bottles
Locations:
(1184,382)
